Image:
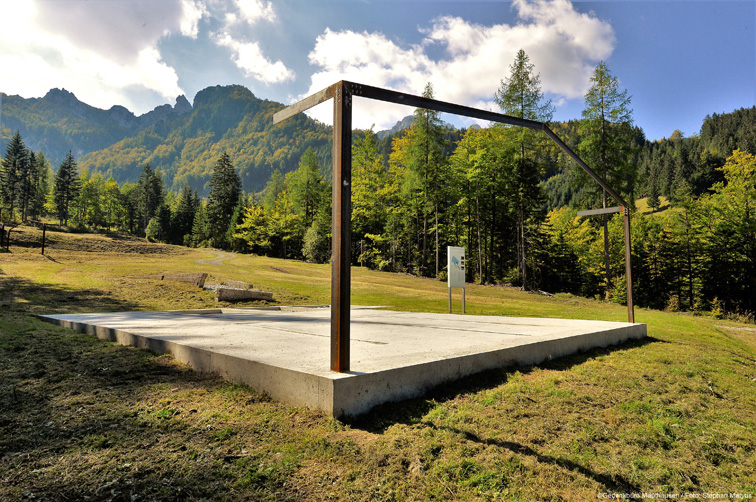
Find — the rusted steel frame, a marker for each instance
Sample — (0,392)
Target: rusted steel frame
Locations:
(307,103)
(368,91)
(628,266)
(342,228)
(597,212)
(342,93)
(583,165)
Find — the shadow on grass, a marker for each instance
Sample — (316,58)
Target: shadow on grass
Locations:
(24,296)
(612,483)
(411,411)
(84,419)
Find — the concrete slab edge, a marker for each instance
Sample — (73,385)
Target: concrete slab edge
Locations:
(355,396)
(281,384)
(354,393)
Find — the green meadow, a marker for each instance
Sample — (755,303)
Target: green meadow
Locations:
(81,418)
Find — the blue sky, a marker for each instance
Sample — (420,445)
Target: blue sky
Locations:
(679,60)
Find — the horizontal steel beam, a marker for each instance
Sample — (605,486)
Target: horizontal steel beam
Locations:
(305,104)
(342,93)
(596,212)
(583,165)
(368,91)
(401,98)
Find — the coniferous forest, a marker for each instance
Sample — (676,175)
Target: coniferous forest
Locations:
(508,195)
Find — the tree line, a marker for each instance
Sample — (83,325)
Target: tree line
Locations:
(483,190)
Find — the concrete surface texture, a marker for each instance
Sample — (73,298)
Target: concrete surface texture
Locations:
(285,351)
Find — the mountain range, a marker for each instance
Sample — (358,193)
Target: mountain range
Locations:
(182,141)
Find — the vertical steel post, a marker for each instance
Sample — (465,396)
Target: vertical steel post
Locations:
(342,222)
(628,267)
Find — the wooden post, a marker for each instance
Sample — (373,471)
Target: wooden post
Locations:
(44,228)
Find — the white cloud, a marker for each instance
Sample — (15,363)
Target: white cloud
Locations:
(250,59)
(192,12)
(104,52)
(253,11)
(563,44)
(247,54)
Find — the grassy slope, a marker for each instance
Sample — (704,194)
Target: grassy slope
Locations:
(664,205)
(80,417)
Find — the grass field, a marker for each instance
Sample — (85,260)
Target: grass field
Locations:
(84,419)
(641,205)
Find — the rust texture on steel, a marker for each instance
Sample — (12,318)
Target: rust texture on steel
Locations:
(342,228)
(628,266)
(342,93)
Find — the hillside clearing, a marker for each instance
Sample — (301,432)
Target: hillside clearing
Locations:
(82,418)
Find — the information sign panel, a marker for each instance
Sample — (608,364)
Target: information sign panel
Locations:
(456,266)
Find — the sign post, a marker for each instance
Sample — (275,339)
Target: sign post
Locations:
(456,272)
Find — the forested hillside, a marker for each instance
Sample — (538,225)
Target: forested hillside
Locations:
(670,167)
(58,123)
(220,173)
(224,119)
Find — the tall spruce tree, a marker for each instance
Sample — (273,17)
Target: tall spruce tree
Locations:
(41,186)
(369,214)
(66,188)
(607,141)
(13,173)
(520,95)
(183,218)
(225,190)
(306,187)
(149,194)
(426,163)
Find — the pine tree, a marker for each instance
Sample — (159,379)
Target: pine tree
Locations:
(41,185)
(66,188)
(27,182)
(369,214)
(306,187)
(225,190)
(520,95)
(13,173)
(607,144)
(273,188)
(183,218)
(653,195)
(149,194)
(426,162)
(200,229)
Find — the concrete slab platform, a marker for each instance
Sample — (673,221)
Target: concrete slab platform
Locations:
(284,351)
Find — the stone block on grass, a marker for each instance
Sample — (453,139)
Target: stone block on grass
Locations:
(196,279)
(239,295)
(236,284)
